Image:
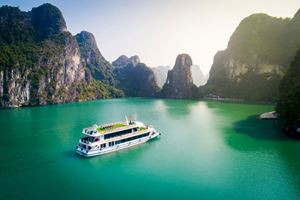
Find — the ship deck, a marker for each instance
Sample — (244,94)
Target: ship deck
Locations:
(114,127)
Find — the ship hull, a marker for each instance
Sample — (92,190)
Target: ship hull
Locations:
(91,153)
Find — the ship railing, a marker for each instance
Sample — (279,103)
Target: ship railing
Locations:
(89,131)
(117,129)
(111,124)
(84,141)
(93,130)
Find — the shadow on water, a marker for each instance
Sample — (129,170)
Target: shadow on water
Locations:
(260,129)
(266,135)
(268,139)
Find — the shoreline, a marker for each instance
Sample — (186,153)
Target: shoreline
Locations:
(223,100)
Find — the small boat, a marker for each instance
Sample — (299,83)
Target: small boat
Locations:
(107,138)
(269,116)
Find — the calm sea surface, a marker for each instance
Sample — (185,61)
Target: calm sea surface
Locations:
(208,150)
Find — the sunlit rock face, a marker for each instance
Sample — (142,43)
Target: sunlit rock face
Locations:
(52,77)
(46,64)
(258,55)
(179,83)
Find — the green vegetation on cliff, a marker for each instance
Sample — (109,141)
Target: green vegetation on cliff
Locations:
(179,83)
(97,90)
(96,64)
(41,62)
(265,38)
(258,55)
(289,102)
(17,46)
(136,80)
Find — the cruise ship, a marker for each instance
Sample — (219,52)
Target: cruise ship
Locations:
(102,139)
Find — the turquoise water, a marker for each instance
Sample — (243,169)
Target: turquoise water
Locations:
(208,150)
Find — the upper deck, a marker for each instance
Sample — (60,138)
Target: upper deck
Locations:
(111,128)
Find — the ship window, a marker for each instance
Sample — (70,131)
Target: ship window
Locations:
(88,139)
(132,138)
(111,135)
(111,144)
(103,145)
(118,142)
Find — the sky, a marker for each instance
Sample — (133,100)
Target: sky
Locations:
(158,30)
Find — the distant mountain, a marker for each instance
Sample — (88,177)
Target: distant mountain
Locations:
(198,77)
(179,82)
(134,60)
(123,61)
(257,56)
(161,73)
(42,63)
(135,78)
(289,101)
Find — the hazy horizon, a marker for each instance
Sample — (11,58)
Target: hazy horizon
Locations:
(157,31)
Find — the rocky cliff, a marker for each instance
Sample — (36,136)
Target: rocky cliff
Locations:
(161,73)
(97,66)
(179,83)
(257,56)
(123,61)
(40,61)
(289,101)
(135,78)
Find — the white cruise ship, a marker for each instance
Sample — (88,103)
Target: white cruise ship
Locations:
(107,138)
